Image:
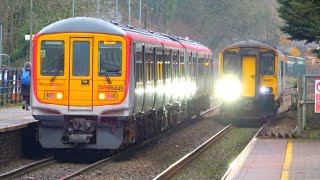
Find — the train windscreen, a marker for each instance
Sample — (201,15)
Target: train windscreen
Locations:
(230,62)
(52,58)
(267,63)
(110,58)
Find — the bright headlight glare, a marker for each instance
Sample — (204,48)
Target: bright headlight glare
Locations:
(265,90)
(59,95)
(229,89)
(102,96)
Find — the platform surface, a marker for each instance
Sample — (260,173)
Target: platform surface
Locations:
(272,159)
(14,118)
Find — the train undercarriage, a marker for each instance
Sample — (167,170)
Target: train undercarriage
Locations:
(250,108)
(94,132)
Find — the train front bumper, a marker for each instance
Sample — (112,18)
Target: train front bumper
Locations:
(249,108)
(82,133)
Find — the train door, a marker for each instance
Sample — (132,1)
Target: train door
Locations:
(80,81)
(248,76)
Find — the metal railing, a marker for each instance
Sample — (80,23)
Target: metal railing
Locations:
(9,86)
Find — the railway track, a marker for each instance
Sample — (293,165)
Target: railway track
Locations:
(27,168)
(171,170)
(47,163)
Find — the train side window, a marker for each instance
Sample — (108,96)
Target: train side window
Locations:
(195,66)
(52,58)
(182,73)
(110,58)
(167,65)
(188,66)
(175,66)
(139,65)
(230,62)
(267,63)
(159,64)
(149,65)
(81,58)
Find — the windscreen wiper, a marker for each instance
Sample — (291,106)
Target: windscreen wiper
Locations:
(107,77)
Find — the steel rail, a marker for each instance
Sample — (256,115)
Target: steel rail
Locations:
(27,168)
(171,170)
(90,167)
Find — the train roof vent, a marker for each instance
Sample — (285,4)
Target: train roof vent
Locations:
(129,26)
(114,22)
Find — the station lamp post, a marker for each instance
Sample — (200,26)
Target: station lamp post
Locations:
(0,42)
(8,59)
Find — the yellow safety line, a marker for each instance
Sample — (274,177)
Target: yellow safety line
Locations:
(287,161)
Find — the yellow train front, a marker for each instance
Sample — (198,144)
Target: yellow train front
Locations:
(251,80)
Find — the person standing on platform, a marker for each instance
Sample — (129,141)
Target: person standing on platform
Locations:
(25,79)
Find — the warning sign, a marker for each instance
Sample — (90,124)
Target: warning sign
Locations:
(317,95)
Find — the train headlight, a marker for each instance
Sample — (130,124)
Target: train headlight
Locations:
(102,96)
(59,95)
(107,96)
(229,89)
(53,95)
(265,90)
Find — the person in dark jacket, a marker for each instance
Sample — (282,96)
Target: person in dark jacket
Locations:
(25,89)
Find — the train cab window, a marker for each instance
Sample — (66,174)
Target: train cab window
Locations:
(267,63)
(110,58)
(230,61)
(52,58)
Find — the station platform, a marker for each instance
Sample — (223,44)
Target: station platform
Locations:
(14,118)
(266,159)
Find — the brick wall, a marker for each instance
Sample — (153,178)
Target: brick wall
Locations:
(18,143)
(10,145)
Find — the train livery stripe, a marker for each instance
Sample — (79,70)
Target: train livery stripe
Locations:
(287,162)
(128,54)
(34,66)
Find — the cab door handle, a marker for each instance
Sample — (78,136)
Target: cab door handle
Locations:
(252,76)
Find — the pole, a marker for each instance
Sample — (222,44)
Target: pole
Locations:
(145,16)
(116,10)
(129,6)
(31,30)
(140,14)
(8,59)
(0,42)
(299,110)
(73,8)
(98,9)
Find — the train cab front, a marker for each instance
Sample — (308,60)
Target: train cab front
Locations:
(80,84)
(237,104)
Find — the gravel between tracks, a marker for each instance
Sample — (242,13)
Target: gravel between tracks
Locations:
(148,162)
(215,161)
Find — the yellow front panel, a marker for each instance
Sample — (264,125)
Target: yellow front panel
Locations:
(248,76)
(81,90)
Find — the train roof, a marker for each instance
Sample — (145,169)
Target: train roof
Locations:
(249,43)
(95,25)
(82,24)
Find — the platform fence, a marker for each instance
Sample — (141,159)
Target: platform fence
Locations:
(10,86)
